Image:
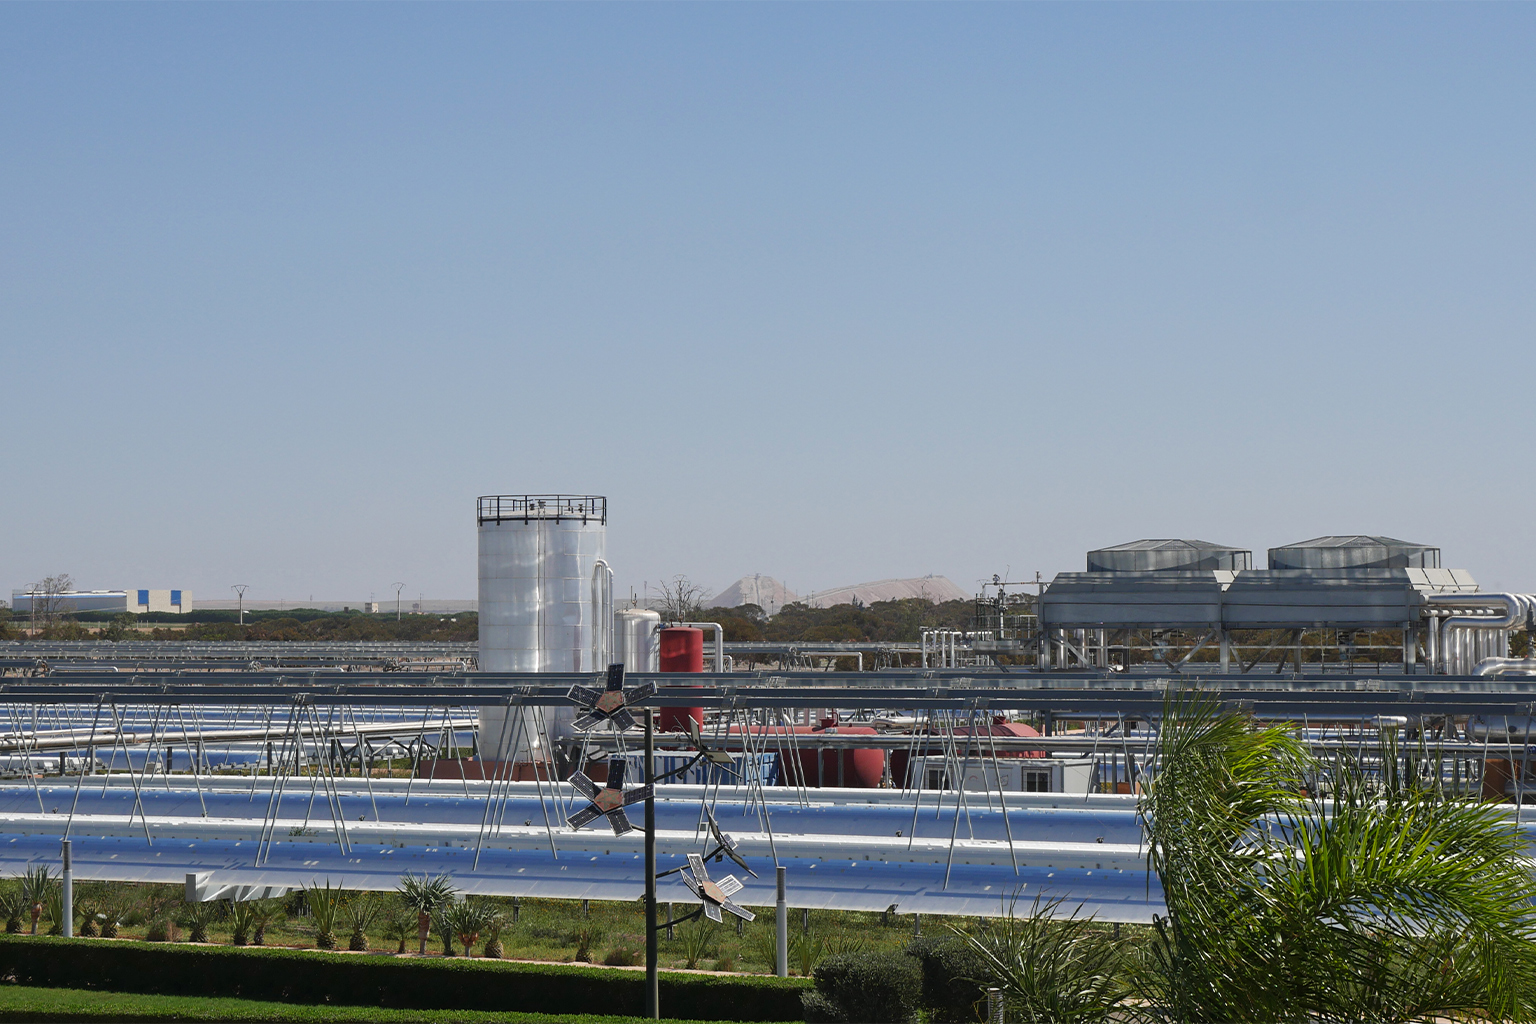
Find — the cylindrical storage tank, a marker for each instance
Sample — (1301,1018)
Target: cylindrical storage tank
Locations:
(635,640)
(681,650)
(851,769)
(862,768)
(545,600)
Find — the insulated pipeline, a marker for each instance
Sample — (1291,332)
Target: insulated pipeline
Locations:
(1515,612)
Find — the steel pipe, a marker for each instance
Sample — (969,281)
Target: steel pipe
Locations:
(1515,610)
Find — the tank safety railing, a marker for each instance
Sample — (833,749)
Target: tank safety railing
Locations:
(500,508)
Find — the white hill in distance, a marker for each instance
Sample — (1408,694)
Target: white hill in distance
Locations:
(770,595)
(764,591)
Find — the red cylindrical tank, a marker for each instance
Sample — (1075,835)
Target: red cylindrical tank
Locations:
(681,650)
(860,769)
(857,769)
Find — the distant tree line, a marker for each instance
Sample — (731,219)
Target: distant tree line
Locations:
(892,621)
(902,620)
(329,626)
(308,625)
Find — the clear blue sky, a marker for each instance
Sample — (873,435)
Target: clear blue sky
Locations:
(825,292)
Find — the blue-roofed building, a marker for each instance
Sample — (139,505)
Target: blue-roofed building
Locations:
(146,600)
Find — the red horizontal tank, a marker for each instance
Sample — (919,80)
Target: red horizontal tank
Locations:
(860,769)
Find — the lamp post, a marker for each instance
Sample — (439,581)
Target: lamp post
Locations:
(398,587)
(240,589)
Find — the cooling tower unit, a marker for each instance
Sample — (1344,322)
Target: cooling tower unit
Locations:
(1169,556)
(1354,552)
(546,603)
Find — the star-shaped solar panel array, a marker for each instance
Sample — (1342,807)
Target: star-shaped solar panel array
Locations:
(610,704)
(610,800)
(716,896)
(725,844)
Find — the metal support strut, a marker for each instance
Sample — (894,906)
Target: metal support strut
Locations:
(652,983)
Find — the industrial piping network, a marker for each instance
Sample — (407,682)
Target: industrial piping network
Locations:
(547,624)
(1466,642)
(923,851)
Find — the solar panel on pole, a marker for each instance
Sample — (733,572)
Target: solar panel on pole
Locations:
(652,984)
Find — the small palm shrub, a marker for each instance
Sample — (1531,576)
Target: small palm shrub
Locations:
(88,928)
(55,910)
(324,904)
(467,919)
(805,951)
(263,913)
(400,925)
(623,955)
(763,945)
(495,924)
(110,913)
(426,896)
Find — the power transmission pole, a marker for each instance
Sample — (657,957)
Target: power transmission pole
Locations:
(241,588)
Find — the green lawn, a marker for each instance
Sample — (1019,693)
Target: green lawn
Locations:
(564,930)
(20,1003)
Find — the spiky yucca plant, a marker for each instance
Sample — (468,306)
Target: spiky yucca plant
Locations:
(55,910)
(324,904)
(361,912)
(240,922)
(13,905)
(1051,967)
(698,942)
(110,906)
(443,928)
(37,884)
(198,916)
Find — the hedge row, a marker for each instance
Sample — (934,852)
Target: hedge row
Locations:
(293,976)
(20,1003)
